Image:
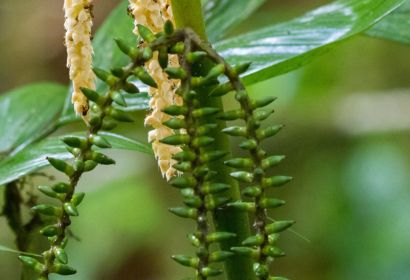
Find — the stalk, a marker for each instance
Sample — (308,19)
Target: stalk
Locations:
(188,13)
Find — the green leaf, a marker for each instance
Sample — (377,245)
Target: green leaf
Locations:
(33,157)
(222,15)
(394,27)
(27,111)
(281,48)
(9,250)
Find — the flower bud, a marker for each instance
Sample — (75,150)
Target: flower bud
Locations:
(61,165)
(278,226)
(243,176)
(146,33)
(185,212)
(276,181)
(186,260)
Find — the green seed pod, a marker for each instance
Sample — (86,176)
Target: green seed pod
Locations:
(252,191)
(108,124)
(213,188)
(254,240)
(194,57)
(278,226)
(243,206)
(273,252)
(213,202)
(74,151)
(74,141)
(105,76)
(259,103)
(203,141)
(193,201)
(262,115)
(70,209)
(194,240)
(130,88)
(63,269)
(176,140)
(186,181)
(62,188)
(184,166)
(146,78)
(178,48)
(220,256)
(261,270)
(47,210)
(77,198)
(186,260)
(176,73)
(51,230)
(48,191)
(163,57)
(184,156)
(169,28)
(126,49)
(273,238)
(187,192)
(271,203)
(239,163)
(146,33)
(101,158)
(268,132)
(91,95)
(118,72)
(232,115)
(176,110)
(205,112)
(198,82)
(184,212)
(61,255)
(243,176)
(246,251)
(219,237)
(216,71)
(118,98)
(100,141)
(95,119)
(210,272)
(89,165)
(241,68)
(32,263)
(212,156)
(276,181)
(236,131)
(119,115)
(221,90)
(206,129)
(175,123)
(61,165)
(272,161)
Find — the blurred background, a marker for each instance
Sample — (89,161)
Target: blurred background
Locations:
(346,141)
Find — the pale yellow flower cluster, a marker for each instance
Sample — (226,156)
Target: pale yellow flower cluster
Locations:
(153,14)
(78,24)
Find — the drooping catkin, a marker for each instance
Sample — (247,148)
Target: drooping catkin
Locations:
(78,24)
(153,14)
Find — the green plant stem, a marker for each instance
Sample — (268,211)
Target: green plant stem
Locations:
(188,13)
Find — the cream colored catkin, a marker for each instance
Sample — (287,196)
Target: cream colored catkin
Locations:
(153,14)
(78,25)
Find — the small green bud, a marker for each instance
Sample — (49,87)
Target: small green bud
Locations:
(213,202)
(163,57)
(199,81)
(118,98)
(176,73)
(216,71)
(219,236)
(239,163)
(177,139)
(194,240)
(212,156)
(95,119)
(91,94)
(241,96)
(32,263)
(63,269)
(146,78)
(272,161)
(205,112)
(268,132)
(236,131)
(246,251)
(184,156)
(252,191)
(147,53)
(261,115)
(130,88)
(271,203)
(201,171)
(184,166)
(186,260)
(77,198)
(278,226)
(100,141)
(74,141)
(203,141)
(273,238)
(248,144)
(259,103)
(273,252)
(101,158)
(187,192)
(61,165)
(119,115)
(48,191)
(185,212)
(146,33)
(193,201)
(47,210)
(169,28)
(78,165)
(221,90)
(176,110)
(70,209)
(213,188)
(194,57)
(210,272)
(61,255)
(74,151)
(105,76)
(126,49)
(186,181)
(261,270)
(175,123)
(241,68)
(178,48)
(210,175)
(276,181)
(89,165)
(254,240)
(220,256)
(243,176)
(206,129)
(51,230)
(108,124)
(243,206)
(62,188)
(118,72)
(232,115)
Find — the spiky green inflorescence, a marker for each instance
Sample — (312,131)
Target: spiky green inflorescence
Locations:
(104,114)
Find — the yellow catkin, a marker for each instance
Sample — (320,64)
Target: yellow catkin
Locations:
(78,24)
(153,14)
